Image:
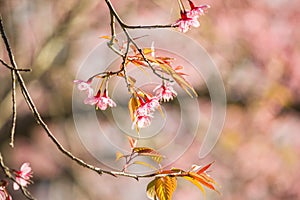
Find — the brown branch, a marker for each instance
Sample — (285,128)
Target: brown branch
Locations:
(115,16)
(41,122)
(123,24)
(11,68)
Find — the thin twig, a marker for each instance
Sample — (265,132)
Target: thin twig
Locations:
(130,39)
(10,67)
(41,122)
(13,80)
(14,108)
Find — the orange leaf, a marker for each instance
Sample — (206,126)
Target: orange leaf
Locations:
(132,106)
(203,179)
(165,187)
(203,169)
(196,183)
(146,151)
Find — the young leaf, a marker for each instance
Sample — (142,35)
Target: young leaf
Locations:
(204,180)
(132,106)
(132,142)
(119,155)
(151,194)
(203,169)
(165,187)
(195,182)
(156,158)
(146,151)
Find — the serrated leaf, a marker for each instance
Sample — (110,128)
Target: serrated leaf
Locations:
(196,183)
(144,164)
(143,150)
(151,194)
(146,151)
(156,158)
(165,187)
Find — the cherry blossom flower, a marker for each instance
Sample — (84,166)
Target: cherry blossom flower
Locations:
(142,121)
(197,11)
(85,86)
(144,112)
(23,176)
(165,92)
(185,22)
(101,101)
(3,192)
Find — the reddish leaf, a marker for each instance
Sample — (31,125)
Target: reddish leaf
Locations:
(196,183)
(203,179)
(203,169)
(146,151)
(132,142)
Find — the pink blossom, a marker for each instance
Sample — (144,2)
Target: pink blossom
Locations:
(142,121)
(197,11)
(85,86)
(165,92)
(101,101)
(23,176)
(4,194)
(144,112)
(185,22)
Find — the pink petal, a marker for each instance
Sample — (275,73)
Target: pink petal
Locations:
(91,100)
(16,186)
(25,168)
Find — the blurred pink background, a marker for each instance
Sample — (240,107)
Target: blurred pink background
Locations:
(255,45)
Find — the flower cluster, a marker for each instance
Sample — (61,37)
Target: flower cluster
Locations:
(165,92)
(146,104)
(101,101)
(23,176)
(144,112)
(190,17)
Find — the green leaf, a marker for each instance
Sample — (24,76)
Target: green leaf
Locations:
(151,194)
